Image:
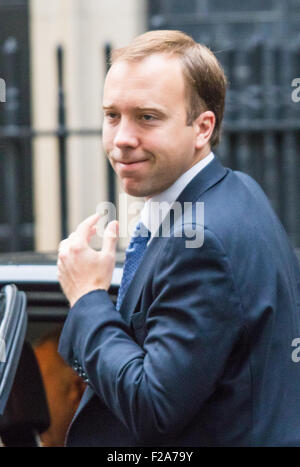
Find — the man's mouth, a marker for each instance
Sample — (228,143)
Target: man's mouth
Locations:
(130,165)
(130,162)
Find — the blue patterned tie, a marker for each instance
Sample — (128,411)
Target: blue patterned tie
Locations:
(134,254)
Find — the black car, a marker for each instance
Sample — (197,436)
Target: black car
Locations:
(31,304)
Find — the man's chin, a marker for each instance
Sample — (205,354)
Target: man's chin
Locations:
(140,190)
(137,193)
(135,189)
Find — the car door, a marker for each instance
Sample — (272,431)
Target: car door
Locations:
(13,325)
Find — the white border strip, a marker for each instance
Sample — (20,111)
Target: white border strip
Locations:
(37,273)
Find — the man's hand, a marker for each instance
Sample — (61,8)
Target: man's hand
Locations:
(82,269)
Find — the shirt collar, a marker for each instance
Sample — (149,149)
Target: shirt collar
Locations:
(170,195)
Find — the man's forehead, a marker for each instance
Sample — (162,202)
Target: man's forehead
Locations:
(151,64)
(154,72)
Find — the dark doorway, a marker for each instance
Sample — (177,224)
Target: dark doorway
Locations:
(16,204)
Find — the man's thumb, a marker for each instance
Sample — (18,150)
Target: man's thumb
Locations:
(110,237)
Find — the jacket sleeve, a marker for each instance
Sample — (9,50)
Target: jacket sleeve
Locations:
(192,325)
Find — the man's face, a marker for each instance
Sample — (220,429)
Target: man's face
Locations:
(144,131)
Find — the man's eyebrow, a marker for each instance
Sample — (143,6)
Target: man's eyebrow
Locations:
(150,109)
(139,108)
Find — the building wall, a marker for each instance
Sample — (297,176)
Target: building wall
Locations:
(82,27)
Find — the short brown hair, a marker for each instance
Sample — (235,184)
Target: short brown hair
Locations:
(204,76)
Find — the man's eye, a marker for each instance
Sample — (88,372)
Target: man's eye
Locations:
(147,117)
(111,115)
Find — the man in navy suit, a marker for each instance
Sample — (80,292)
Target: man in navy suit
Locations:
(200,350)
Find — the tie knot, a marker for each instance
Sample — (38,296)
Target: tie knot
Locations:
(141,233)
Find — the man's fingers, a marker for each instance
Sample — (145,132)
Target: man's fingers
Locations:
(62,245)
(91,233)
(86,228)
(110,237)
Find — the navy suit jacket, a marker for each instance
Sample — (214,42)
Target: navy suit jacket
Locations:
(204,349)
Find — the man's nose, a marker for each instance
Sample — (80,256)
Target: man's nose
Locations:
(126,135)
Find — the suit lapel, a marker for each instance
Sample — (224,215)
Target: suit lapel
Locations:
(203,181)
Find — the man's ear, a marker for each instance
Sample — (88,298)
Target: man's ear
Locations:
(204,126)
